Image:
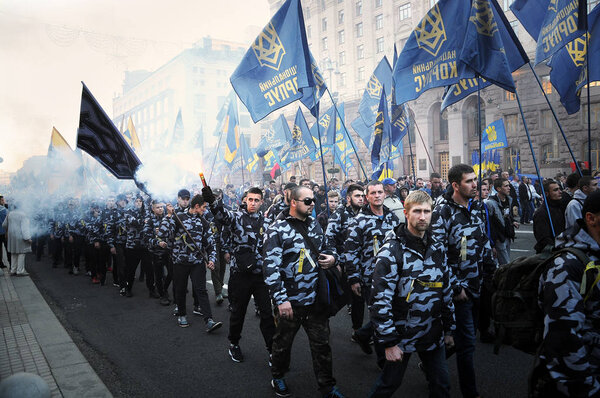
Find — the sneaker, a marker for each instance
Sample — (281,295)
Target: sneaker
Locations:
(197,311)
(176,310)
(270,360)
(363,343)
(219,299)
(334,393)
(224,294)
(95,280)
(89,273)
(153,294)
(123,291)
(211,325)
(182,322)
(164,300)
(23,274)
(109,269)
(128,293)
(235,352)
(75,271)
(116,284)
(280,387)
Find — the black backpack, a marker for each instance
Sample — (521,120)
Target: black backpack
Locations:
(517,317)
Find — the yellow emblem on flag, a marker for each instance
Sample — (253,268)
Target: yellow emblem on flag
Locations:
(325,120)
(491,133)
(374,87)
(430,34)
(577,50)
(268,48)
(484,18)
(297,134)
(552,5)
(318,77)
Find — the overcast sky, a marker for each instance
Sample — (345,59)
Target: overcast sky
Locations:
(48,47)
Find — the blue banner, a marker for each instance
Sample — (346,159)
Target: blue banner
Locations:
(594,51)
(364,132)
(277,135)
(494,136)
(311,96)
(529,13)
(380,79)
(382,131)
(301,145)
(276,68)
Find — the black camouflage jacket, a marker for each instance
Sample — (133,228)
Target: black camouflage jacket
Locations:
(184,251)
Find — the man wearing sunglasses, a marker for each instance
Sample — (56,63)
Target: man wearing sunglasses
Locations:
(366,234)
(294,247)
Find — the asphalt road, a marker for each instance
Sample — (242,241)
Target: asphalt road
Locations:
(137,349)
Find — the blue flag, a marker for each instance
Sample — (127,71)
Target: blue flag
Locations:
(431,55)
(276,69)
(494,136)
(275,138)
(301,145)
(246,153)
(364,132)
(399,122)
(223,113)
(568,66)
(382,131)
(518,163)
(178,132)
(100,138)
(380,79)
(231,130)
(512,50)
(326,127)
(529,13)
(311,96)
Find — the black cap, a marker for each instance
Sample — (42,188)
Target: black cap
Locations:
(290,185)
(121,197)
(183,193)
(591,203)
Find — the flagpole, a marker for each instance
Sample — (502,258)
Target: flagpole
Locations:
(535,163)
(424,146)
(242,154)
(321,148)
(555,118)
(479,129)
(587,66)
(347,134)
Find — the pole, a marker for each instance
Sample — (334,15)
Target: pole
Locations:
(424,146)
(321,151)
(589,119)
(479,128)
(555,118)
(412,158)
(242,155)
(348,135)
(537,169)
(215,158)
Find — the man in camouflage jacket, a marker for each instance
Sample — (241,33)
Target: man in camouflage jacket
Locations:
(570,351)
(412,308)
(290,271)
(117,240)
(246,279)
(458,230)
(366,234)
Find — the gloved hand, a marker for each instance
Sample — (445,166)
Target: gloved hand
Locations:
(208,195)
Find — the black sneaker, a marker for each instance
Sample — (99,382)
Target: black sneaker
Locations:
(334,393)
(164,300)
(211,325)
(235,352)
(153,294)
(219,299)
(176,310)
(280,387)
(363,343)
(197,311)
(123,291)
(128,293)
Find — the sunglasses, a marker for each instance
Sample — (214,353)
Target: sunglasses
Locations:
(307,201)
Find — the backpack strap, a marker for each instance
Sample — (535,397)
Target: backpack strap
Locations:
(584,290)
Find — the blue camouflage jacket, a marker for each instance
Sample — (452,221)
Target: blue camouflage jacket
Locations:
(134,221)
(184,251)
(288,273)
(97,228)
(411,303)
(571,347)
(366,233)
(151,235)
(460,234)
(337,227)
(118,226)
(247,235)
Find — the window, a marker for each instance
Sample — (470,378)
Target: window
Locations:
(508,96)
(548,153)
(324,43)
(512,124)
(324,24)
(404,12)
(422,164)
(360,51)
(342,58)
(443,125)
(546,84)
(308,31)
(471,114)
(444,164)
(379,22)
(341,37)
(595,154)
(379,45)
(358,8)
(547,121)
(359,29)
(360,75)
(341,16)
(342,80)
(378,3)
(595,113)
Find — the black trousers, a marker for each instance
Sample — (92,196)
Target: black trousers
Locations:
(241,287)
(217,276)
(77,247)
(98,259)
(197,273)
(57,249)
(119,266)
(132,258)
(159,262)
(3,242)
(40,242)
(169,277)
(67,247)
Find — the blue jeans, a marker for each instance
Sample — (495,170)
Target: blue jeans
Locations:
(434,364)
(464,338)
(503,251)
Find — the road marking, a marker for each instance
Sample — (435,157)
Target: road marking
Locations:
(520,250)
(211,282)
(524,232)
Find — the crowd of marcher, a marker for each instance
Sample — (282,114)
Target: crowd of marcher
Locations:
(418,256)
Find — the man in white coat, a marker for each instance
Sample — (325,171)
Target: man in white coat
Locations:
(18,234)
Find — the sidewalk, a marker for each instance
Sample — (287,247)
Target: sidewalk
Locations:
(34,341)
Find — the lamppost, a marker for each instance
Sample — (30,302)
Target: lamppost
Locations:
(331,67)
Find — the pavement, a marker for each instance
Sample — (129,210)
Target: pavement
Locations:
(34,341)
